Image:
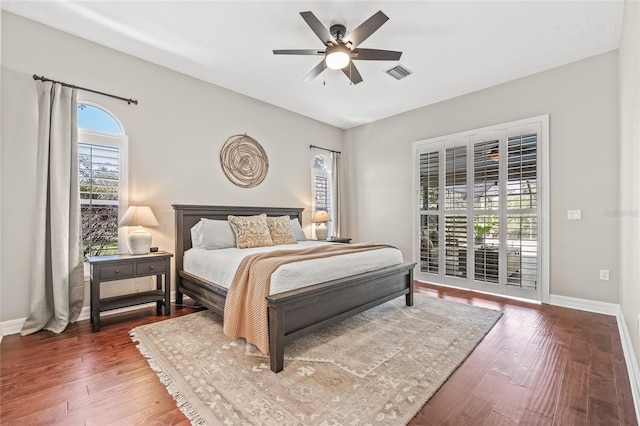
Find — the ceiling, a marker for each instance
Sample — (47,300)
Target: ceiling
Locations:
(452,47)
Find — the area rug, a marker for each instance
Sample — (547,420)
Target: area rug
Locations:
(379,367)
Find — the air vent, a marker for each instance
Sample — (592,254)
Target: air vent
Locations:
(398,72)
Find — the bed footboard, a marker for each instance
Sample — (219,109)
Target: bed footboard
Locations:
(296,313)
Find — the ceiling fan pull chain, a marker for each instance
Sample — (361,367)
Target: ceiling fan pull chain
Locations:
(324,75)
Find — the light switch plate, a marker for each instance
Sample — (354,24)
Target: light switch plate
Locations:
(574,214)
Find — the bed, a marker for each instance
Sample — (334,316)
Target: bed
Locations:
(294,313)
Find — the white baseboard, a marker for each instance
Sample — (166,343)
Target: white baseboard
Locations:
(631,361)
(11,327)
(14,326)
(584,305)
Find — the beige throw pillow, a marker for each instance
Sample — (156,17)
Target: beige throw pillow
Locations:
(251,231)
(280,229)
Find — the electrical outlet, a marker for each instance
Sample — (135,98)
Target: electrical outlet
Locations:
(574,214)
(604,274)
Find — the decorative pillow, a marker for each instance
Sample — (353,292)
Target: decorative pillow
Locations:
(197,238)
(251,231)
(296,230)
(217,234)
(280,230)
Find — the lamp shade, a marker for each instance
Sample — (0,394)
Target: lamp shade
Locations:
(138,216)
(321,216)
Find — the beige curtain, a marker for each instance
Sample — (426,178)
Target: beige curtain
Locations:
(57,278)
(335,175)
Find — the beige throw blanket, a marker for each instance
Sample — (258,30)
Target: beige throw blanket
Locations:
(245,309)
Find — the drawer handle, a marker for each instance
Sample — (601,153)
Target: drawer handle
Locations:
(151,267)
(117,270)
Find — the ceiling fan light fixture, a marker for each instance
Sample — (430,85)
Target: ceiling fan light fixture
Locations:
(337,57)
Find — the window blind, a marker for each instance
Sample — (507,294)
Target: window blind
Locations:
(428,193)
(522,172)
(429,190)
(456,178)
(522,200)
(486,179)
(321,191)
(456,246)
(522,250)
(99,176)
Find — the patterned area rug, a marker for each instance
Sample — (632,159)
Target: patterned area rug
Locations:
(379,367)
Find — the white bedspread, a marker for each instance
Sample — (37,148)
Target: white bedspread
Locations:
(219,266)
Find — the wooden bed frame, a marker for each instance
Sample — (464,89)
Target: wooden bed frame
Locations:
(294,313)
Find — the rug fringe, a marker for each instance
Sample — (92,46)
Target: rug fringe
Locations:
(165,378)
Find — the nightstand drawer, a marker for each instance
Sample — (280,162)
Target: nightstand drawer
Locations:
(124,270)
(152,266)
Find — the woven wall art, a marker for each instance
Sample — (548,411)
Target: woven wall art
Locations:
(243,161)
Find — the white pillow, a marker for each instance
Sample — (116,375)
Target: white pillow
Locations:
(296,230)
(216,234)
(197,239)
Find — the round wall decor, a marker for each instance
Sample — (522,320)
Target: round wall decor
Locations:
(243,161)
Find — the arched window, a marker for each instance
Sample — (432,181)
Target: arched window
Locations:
(102,153)
(94,118)
(322,188)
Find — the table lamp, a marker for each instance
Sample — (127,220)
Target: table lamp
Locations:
(139,241)
(320,218)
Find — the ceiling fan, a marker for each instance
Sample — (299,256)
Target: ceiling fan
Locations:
(341,50)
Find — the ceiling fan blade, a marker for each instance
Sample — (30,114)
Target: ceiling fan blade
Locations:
(298,52)
(376,55)
(316,26)
(365,29)
(352,73)
(315,71)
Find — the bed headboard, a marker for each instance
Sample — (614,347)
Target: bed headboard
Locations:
(188,215)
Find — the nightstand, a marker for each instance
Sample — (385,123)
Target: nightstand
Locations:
(124,266)
(336,240)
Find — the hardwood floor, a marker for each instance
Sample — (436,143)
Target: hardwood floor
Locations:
(540,365)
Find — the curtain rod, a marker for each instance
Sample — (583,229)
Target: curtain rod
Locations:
(324,149)
(129,101)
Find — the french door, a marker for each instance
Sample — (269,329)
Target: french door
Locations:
(482,201)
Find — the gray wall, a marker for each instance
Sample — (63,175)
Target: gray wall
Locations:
(175,136)
(630,172)
(582,102)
